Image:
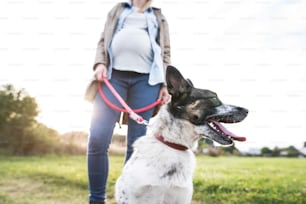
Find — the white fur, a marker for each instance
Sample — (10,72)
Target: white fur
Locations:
(157,173)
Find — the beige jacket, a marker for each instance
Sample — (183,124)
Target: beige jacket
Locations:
(102,56)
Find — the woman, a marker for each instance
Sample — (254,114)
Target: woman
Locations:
(133,53)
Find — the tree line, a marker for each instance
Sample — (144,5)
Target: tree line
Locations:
(21,133)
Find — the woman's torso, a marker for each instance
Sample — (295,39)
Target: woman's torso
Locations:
(131,46)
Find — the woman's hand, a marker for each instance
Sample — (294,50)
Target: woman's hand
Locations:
(164,96)
(100,71)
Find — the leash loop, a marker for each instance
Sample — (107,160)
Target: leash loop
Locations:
(132,113)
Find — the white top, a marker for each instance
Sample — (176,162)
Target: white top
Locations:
(131,46)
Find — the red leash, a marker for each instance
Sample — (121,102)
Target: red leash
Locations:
(132,113)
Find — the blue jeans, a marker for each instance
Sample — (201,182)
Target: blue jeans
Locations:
(133,88)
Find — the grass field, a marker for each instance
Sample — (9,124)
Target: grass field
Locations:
(223,180)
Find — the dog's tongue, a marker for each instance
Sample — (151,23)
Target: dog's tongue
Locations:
(228,133)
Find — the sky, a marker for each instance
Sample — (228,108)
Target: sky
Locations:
(252,53)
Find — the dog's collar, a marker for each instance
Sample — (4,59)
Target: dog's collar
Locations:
(170,144)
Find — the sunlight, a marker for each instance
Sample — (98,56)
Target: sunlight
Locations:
(250,53)
(67,117)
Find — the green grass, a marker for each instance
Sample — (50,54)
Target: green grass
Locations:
(250,180)
(224,180)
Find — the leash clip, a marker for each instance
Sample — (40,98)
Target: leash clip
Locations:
(138,118)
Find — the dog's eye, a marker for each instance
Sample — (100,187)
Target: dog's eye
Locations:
(195,117)
(214,101)
(193,103)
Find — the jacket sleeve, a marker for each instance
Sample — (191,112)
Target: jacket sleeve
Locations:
(167,48)
(164,41)
(100,52)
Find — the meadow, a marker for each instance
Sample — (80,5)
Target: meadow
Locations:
(218,180)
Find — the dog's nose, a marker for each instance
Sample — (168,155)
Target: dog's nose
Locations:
(243,110)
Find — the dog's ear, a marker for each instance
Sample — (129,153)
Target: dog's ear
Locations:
(189,82)
(176,83)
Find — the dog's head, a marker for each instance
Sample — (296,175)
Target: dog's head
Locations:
(202,108)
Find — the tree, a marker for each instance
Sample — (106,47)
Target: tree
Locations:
(276,152)
(292,151)
(16,107)
(21,133)
(265,151)
(17,118)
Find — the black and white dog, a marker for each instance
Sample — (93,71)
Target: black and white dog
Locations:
(161,168)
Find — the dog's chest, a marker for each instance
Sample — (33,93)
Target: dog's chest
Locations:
(160,164)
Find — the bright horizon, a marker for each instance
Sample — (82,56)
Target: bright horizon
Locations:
(251,53)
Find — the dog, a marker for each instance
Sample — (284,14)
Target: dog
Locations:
(161,168)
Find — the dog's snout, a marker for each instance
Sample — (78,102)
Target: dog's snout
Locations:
(244,110)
